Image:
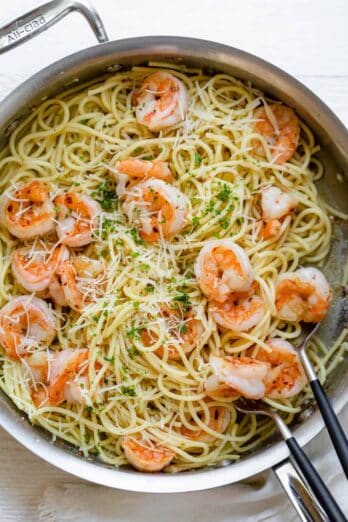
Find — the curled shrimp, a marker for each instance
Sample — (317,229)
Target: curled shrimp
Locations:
(34,266)
(58,376)
(276,204)
(161,101)
(146,455)
(223,267)
(233,376)
(219,419)
(26,323)
(185,331)
(280,127)
(77,218)
(28,210)
(303,295)
(238,313)
(285,376)
(78,282)
(131,171)
(159,209)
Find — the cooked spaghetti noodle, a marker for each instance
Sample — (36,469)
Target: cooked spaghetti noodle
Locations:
(74,141)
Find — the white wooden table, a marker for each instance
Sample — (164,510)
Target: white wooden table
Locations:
(307,38)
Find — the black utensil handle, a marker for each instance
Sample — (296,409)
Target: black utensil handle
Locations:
(315,482)
(333,425)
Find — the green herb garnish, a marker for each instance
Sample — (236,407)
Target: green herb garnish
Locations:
(224,193)
(129,391)
(135,236)
(198,159)
(106,195)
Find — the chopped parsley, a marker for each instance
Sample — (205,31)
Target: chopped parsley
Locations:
(198,159)
(84,156)
(210,207)
(135,236)
(183,300)
(110,359)
(87,438)
(108,226)
(106,195)
(183,329)
(134,332)
(224,193)
(224,222)
(96,450)
(133,352)
(129,391)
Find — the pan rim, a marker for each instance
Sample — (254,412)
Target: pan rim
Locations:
(117,477)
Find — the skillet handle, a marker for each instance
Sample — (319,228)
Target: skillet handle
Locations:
(335,429)
(42,17)
(299,493)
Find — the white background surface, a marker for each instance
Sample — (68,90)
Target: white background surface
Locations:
(307,38)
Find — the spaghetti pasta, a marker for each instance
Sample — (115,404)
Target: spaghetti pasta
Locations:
(136,386)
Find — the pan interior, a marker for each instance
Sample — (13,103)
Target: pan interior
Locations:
(108,58)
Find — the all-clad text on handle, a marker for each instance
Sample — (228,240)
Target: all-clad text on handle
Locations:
(42,17)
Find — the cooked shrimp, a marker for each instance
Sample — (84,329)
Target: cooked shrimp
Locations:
(186,331)
(280,127)
(145,455)
(56,290)
(161,101)
(270,229)
(303,295)
(233,376)
(160,209)
(285,377)
(275,205)
(34,266)
(26,323)
(78,282)
(223,267)
(77,218)
(219,419)
(28,210)
(62,376)
(238,314)
(131,171)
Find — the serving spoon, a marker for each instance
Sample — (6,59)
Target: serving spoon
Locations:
(314,480)
(334,428)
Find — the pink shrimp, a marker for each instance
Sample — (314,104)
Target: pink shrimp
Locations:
(280,127)
(161,101)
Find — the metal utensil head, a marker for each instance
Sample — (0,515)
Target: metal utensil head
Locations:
(261,408)
(308,330)
(252,406)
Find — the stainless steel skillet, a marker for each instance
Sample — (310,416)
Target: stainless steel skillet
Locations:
(109,57)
